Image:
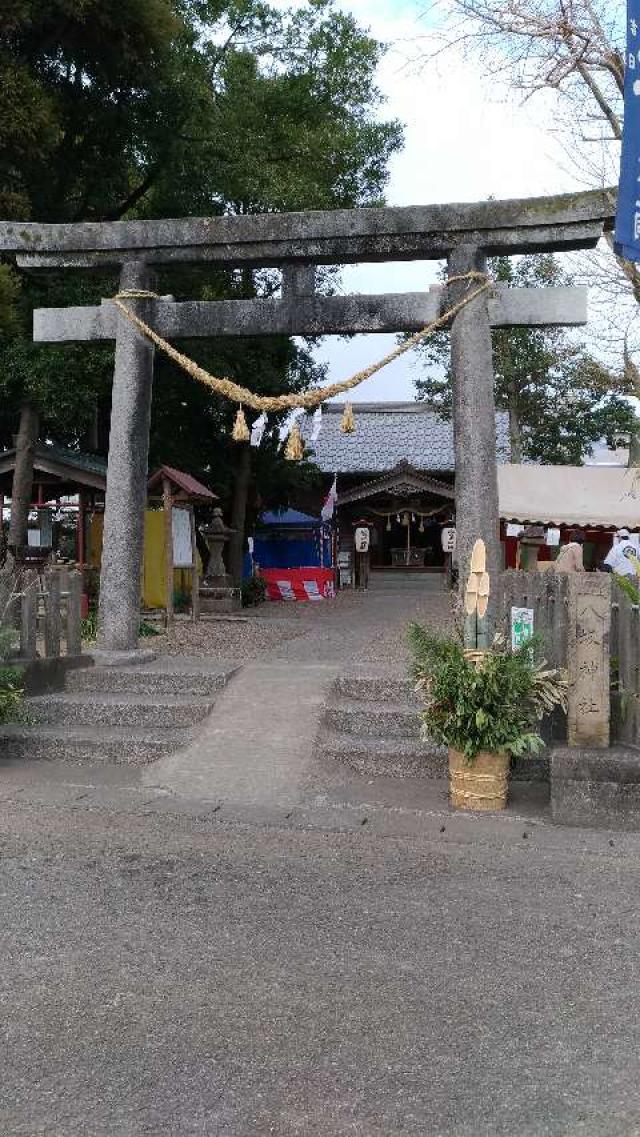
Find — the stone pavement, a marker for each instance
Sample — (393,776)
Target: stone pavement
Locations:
(258,745)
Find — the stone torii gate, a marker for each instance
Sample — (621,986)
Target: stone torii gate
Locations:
(463,234)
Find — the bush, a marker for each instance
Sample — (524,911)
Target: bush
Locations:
(486,701)
(254,591)
(11,693)
(8,639)
(148,629)
(89,626)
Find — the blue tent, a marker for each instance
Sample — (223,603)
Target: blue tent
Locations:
(287,519)
(288,538)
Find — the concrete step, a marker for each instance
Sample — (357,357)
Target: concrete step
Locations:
(385,757)
(375,688)
(115,744)
(118,710)
(373,720)
(146,679)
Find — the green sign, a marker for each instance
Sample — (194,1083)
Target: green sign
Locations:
(521,627)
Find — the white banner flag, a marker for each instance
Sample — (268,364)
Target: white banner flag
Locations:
(330,501)
(258,429)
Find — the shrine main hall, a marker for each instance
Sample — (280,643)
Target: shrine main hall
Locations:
(396,473)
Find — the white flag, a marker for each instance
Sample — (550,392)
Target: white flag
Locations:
(257,429)
(317,425)
(287,426)
(330,501)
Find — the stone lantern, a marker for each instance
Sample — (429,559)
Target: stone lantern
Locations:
(217,593)
(531,541)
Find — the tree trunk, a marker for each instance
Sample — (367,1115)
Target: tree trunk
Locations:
(634,446)
(515,436)
(239,512)
(22,490)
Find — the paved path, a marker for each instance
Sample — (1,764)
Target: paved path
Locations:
(183,977)
(257,746)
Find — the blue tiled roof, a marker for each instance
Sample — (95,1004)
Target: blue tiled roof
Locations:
(386,434)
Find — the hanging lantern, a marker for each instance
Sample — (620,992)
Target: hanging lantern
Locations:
(405,520)
(348,424)
(240,432)
(388,524)
(413,518)
(421,529)
(398,519)
(294,450)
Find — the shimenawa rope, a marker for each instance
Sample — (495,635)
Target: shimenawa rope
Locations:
(306,399)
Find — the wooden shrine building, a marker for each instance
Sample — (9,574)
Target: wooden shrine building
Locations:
(396,474)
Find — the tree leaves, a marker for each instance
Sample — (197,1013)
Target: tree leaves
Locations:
(560,400)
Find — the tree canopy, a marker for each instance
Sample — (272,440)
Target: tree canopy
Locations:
(172,108)
(560,400)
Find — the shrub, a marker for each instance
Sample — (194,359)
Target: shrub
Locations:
(254,591)
(483,701)
(11,693)
(148,629)
(89,626)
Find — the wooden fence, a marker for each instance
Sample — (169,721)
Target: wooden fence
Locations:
(45,608)
(625,668)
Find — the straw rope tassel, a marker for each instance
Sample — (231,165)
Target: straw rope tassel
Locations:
(348,424)
(294,450)
(240,432)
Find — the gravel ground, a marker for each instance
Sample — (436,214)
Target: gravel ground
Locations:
(363,627)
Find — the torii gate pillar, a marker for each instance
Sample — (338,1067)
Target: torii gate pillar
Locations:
(474,420)
(127,473)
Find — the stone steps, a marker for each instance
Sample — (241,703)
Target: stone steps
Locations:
(116,745)
(373,719)
(375,688)
(384,757)
(146,679)
(122,715)
(371,723)
(93,709)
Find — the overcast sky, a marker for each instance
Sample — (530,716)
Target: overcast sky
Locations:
(465,139)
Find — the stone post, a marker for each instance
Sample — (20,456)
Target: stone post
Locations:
(474,424)
(126,496)
(589,711)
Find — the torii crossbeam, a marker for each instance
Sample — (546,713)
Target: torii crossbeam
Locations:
(464,234)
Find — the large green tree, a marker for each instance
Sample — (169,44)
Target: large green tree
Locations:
(559,399)
(172,108)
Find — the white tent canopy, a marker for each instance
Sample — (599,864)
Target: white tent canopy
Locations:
(570,495)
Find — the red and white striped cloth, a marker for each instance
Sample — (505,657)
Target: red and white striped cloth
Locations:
(299,584)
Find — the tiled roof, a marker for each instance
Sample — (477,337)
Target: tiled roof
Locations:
(92,463)
(387,434)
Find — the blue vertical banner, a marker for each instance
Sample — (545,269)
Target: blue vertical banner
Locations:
(627,235)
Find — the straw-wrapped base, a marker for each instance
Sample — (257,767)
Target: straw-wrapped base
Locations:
(480,784)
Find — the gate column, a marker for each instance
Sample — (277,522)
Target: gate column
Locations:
(127,472)
(474,420)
